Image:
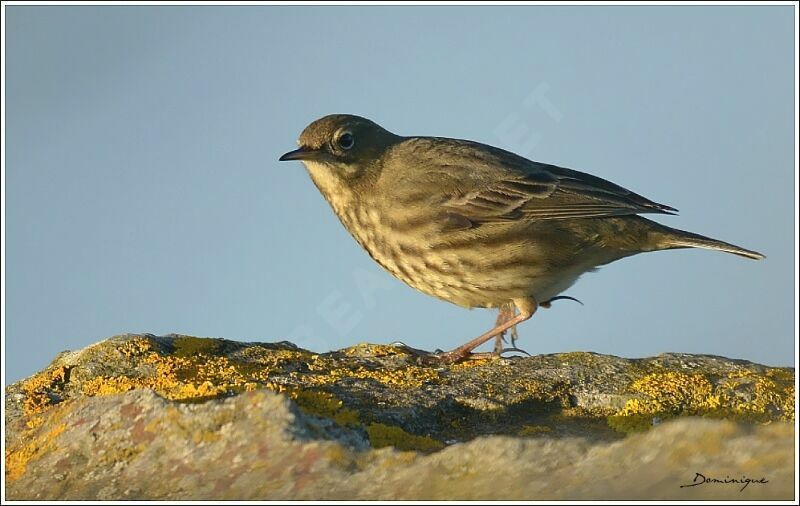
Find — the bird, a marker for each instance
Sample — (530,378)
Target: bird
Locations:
(476,225)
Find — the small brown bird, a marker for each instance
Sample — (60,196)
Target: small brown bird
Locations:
(476,225)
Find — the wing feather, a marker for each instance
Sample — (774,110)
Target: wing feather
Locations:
(482,184)
(536,191)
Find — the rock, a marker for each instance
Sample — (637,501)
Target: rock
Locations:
(179,417)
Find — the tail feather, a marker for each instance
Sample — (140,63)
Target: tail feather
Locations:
(673,238)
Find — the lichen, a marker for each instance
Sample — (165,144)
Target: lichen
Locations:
(663,395)
(17,460)
(325,405)
(528,388)
(176,378)
(41,390)
(469,364)
(374,350)
(404,377)
(772,395)
(188,346)
(508,396)
(191,373)
(534,430)
(381,435)
(135,347)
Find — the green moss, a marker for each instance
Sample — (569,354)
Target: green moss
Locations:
(533,430)
(381,435)
(187,346)
(325,405)
(630,423)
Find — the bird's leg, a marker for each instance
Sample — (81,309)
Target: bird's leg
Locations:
(527,306)
(507,312)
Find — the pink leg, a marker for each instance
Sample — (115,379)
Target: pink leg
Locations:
(527,306)
(507,312)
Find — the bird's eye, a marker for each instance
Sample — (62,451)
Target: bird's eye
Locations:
(345,141)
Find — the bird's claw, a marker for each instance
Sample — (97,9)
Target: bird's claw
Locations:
(513,349)
(546,304)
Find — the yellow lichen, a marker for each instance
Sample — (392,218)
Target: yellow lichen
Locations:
(469,364)
(34,422)
(576,357)
(402,378)
(256,361)
(664,395)
(533,389)
(673,392)
(198,369)
(381,435)
(40,388)
(102,385)
(17,460)
(374,350)
(135,347)
(189,376)
(772,390)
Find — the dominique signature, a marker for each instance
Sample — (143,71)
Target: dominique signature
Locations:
(701,479)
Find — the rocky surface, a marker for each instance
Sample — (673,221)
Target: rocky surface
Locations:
(179,417)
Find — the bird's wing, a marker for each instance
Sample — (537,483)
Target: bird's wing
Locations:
(489,185)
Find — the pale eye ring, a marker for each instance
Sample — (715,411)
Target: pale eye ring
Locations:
(345,140)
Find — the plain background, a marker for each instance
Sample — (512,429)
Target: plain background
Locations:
(143,191)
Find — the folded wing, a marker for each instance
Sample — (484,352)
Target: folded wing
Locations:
(500,186)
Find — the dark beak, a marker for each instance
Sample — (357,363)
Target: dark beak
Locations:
(299,154)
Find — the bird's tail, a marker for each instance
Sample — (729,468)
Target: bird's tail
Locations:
(671,238)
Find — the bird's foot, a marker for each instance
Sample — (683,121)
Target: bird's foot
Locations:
(455,356)
(439,358)
(514,349)
(464,352)
(442,358)
(411,350)
(436,357)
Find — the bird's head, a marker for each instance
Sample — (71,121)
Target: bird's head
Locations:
(344,146)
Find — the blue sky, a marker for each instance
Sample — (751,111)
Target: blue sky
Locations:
(143,191)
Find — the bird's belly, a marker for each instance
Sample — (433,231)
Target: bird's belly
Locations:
(476,274)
